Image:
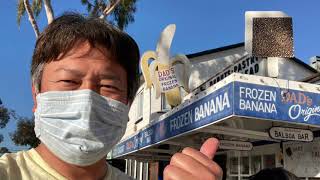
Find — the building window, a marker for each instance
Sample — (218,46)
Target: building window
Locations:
(140,106)
(234,166)
(269,161)
(256,164)
(243,166)
(164,105)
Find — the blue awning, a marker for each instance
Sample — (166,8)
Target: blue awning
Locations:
(260,101)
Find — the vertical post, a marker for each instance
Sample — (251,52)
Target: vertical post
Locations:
(239,165)
(140,170)
(135,169)
(129,168)
(126,170)
(250,173)
(147,171)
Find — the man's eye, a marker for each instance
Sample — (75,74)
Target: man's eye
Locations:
(109,87)
(68,81)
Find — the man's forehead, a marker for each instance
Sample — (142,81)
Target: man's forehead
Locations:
(83,49)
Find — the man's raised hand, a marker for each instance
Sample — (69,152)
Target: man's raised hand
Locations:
(192,164)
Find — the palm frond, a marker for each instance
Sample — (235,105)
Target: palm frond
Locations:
(36,7)
(123,13)
(21,11)
(84,2)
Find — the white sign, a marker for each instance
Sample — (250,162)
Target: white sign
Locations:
(249,65)
(302,158)
(167,79)
(291,134)
(235,145)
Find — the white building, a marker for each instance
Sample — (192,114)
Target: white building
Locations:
(265,110)
(234,99)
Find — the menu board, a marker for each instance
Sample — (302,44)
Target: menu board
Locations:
(302,159)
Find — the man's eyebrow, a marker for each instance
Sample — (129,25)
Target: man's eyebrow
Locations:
(110,77)
(72,71)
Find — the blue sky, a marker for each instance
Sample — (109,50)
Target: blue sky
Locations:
(201,25)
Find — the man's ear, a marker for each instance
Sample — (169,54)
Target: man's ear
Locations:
(34,94)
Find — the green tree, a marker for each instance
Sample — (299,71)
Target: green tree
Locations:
(24,134)
(120,11)
(115,11)
(5,115)
(4,150)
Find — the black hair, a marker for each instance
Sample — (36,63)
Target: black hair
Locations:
(274,174)
(65,31)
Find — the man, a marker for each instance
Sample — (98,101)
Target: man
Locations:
(84,76)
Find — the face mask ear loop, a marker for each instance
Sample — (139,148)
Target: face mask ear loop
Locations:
(37,117)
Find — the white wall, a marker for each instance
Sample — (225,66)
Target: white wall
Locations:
(204,67)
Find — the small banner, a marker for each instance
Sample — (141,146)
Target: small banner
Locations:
(167,79)
(235,145)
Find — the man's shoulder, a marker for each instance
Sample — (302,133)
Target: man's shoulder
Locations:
(25,165)
(11,162)
(9,159)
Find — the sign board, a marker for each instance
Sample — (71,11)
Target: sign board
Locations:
(235,145)
(129,145)
(167,79)
(206,110)
(291,134)
(302,159)
(276,103)
(249,65)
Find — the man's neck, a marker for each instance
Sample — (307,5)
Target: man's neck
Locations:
(95,171)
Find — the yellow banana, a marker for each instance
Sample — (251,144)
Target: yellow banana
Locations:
(162,65)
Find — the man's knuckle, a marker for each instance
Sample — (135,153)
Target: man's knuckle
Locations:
(187,150)
(168,169)
(175,157)
(208,176)
(216,168)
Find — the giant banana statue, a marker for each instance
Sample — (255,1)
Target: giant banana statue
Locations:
(161,72)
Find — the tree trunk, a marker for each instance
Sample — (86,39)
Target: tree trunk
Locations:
(49,11)
(31,18)
(109,9)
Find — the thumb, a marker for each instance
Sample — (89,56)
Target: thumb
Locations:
(210,147)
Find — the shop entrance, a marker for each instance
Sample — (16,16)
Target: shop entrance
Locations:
(222,161)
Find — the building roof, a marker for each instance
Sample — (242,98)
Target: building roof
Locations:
(312,78)
(224,48)
(211,51)
(304,64)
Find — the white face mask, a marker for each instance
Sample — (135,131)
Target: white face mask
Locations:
(80,127)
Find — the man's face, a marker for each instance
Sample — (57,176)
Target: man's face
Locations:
(85,67)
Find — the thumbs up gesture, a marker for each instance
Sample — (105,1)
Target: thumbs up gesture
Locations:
(192,164)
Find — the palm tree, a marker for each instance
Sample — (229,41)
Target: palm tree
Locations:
(120,11)
(34,11)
